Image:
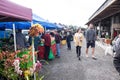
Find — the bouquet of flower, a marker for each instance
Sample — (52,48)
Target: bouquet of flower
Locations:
(24,64)
(35,30)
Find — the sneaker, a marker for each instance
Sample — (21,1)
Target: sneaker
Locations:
(68,48)
(79,59)
(94,58)
(86,55)
(57,56)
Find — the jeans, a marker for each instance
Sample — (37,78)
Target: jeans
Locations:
(69,45)
(58,49)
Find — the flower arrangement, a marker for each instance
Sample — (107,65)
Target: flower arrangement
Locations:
(20,67)
(35,30)
(6,67)
(25,64)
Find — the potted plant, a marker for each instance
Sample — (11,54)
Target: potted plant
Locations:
(107,39)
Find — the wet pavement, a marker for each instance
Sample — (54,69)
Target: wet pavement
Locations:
(68,67)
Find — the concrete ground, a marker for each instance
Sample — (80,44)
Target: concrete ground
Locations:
(68,67)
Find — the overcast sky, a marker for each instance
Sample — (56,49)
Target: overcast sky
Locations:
(74,12)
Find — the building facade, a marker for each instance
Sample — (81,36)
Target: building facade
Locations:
(107,18)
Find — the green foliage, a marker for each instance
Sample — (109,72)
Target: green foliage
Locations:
(8,73)
(23,64)
(107,37)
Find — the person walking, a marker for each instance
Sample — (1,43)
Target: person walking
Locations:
(57,40)
(90,40)
(78,39)
(68,39)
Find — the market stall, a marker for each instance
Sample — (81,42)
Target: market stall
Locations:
(10,11)
(9,63)
(45,23)
(26,24)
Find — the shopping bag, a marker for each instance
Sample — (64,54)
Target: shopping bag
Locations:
(51,56)
(53,47)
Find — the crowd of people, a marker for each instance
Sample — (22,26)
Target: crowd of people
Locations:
(51,41)
(49,37)
(44,43)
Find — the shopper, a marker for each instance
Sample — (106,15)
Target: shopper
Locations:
(57,39)
(90,40)
(20,40)
(68,39)
(36,42)
(47,44)
(78,39)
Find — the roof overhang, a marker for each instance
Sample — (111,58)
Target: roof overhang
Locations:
(13,12)
(109,8)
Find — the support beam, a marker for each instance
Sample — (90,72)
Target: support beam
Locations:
(99,32)
(111,27)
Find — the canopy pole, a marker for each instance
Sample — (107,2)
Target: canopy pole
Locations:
(33,52)
(14,37)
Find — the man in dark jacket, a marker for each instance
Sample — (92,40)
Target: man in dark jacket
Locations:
(68,39)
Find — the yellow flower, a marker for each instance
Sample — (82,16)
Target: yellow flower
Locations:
(26,73)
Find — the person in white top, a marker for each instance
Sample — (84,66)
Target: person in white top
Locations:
(78,39)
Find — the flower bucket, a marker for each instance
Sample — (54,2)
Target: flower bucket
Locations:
(108,41)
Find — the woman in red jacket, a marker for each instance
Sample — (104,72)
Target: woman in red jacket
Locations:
(47,44)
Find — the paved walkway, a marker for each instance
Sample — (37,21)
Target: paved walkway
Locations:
(68,67)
